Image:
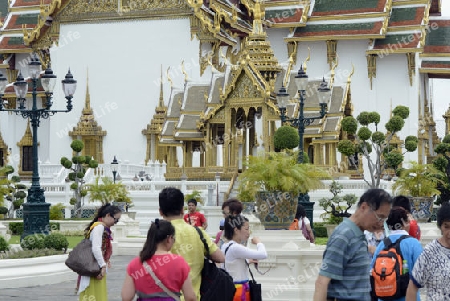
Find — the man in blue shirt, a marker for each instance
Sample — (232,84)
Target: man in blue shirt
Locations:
(344,274)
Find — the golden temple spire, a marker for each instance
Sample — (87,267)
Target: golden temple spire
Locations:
(87,110)
(161,95)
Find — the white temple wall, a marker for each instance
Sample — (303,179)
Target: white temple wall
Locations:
(124,61)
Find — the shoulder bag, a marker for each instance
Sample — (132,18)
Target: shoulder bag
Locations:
(159,283)
(255,288)
(217,284)
(81,260)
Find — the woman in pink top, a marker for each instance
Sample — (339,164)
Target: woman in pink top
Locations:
(172,270)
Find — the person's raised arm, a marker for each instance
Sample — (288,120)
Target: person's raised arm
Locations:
(240,251)
(321,288)
(217,256)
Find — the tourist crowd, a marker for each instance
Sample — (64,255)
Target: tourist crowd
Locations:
(376,246)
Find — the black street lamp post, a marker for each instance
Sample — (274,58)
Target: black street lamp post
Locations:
(114,168)
(36,210)
(301,81)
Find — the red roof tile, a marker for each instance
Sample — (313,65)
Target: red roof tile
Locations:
(420,13)
(346,8)
(11,43)
(13,24)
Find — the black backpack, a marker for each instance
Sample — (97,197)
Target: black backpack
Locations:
(217,284)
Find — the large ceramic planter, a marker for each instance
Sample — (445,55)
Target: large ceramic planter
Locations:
(248,208)
(421,208)
(276,210)
(330,228)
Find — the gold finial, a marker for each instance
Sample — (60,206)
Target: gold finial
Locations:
(307,59)
(335,63)
(186,78)
(168,77)
(288,70)
(349,78)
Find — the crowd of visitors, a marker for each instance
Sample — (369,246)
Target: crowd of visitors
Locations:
(169,267)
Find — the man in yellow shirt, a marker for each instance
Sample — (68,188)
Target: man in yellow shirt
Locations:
(188,243)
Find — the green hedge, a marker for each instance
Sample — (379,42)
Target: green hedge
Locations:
(320,230)
(16,228)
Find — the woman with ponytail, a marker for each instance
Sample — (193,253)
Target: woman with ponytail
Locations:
(172,270)
(99,233)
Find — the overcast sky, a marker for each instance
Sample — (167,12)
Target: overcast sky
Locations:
(441,96)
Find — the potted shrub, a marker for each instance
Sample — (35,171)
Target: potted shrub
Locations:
(106,191)
(275,180)
(376,147)
(419,182)
(336,207)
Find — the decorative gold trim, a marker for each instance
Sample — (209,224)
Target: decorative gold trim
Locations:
(411,57)
(371,67)
(292,48)
(334,37)
(331,52)
(436,71)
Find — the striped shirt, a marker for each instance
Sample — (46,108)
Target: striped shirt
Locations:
(345,261)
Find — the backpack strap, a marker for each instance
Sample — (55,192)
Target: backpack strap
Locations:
(225,255)
(389,244)
(205,244)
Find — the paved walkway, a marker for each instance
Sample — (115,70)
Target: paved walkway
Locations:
(65,291)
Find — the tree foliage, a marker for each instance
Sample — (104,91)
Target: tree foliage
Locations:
(78,167)
(369,140)
(278,171)
(442,163)
(106,191)
(334,208)
(11,190)
(286,137)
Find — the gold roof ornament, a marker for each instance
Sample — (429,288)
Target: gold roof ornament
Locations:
(307,60)
(169,79)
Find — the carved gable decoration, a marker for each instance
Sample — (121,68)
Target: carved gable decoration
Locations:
(219,117)
(244,88)
(101,9)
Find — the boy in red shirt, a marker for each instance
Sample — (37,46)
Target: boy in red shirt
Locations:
(193,217)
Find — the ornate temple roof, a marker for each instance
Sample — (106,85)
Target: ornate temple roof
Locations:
(436,54)
(406,29)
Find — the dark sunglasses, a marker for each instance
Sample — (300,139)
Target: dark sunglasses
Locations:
(116,219)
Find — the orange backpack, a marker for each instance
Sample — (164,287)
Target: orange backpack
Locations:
(294,225)
(388,279)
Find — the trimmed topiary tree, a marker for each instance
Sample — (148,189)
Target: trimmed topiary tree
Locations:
(285,137)
(78,166)
(11,191)
(367,140)
(442,163)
